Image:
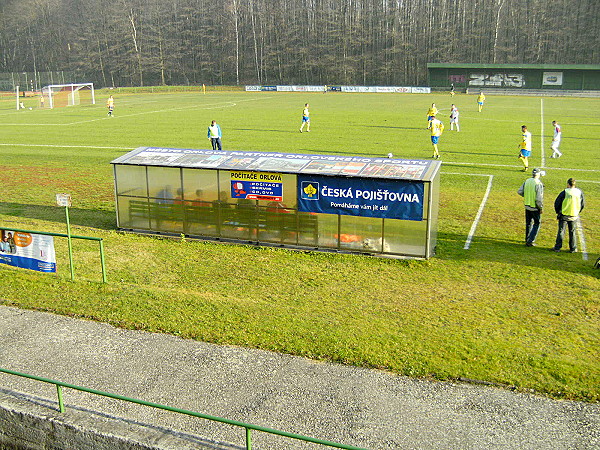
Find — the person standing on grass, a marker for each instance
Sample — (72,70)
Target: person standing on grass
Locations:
(556,140)
(214,135)
(568,205)
(532,191)
(110,104)
(305,119)
(437,128)
(525,146)
(431,113)
(480,101)
(454,117)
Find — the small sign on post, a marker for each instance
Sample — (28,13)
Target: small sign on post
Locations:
(65,200)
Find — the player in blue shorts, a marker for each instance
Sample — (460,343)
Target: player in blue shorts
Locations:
(305,119)
(437,128)
(525,147)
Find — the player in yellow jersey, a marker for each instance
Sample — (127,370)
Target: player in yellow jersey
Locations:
(525,146)
(480,100)
(110,104)
(437,128)
(431,113)
(305,119)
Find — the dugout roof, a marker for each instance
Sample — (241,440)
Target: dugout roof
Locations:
(514,66)
(293,163)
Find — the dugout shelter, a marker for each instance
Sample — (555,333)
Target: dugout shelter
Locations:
(351,204)
(550,77)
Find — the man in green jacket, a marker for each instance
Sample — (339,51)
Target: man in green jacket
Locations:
(568,205)
(532,191)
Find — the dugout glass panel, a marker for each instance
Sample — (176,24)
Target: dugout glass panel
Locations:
(164,184)
(166,199)
(361,234)
(432,194)
(131,180)
(328,230)
(405,237)
(278,220)
(133,212)
(200,192)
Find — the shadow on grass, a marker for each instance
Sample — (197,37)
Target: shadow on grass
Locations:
(266,130)
(509,251)
(495,155)
(92,218)
(369,155)
(394,128)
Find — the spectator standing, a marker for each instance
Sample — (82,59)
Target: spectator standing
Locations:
(214,135)
(568,205)
(532,191)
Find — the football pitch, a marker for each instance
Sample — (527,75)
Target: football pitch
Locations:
(484,308)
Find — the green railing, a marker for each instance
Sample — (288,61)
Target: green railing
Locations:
(248,427)
(72,236)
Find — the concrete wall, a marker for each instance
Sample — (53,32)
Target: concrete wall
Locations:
(31,424)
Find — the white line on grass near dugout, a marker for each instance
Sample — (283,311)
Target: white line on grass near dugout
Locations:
(479,213)
(581,238)
(481,206)
(542,151)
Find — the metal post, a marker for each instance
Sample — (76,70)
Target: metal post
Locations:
(70,244)
(102,261)
(248,438)
(61,405)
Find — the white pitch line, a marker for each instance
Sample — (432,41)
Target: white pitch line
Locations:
(458,163)
(542,151)
(581,239)
(198,107)
(64,146)
(479,213)
(120,116)
(468,174)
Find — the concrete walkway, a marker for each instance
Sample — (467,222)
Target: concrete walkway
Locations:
(361,407)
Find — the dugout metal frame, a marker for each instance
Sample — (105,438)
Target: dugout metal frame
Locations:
(192,193)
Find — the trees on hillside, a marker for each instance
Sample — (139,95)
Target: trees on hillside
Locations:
(149,42)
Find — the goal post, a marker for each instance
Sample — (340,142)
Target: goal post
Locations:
(58,95)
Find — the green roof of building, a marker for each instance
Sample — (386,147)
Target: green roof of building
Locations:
(514,66)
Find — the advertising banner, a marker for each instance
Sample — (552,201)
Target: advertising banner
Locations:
(509,80)
(28,251)
(552,79)
(256,186)
(389,199)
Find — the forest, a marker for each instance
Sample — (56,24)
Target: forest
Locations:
(231,42)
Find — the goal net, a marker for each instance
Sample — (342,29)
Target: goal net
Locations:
(58,95)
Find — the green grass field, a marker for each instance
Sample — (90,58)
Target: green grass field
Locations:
(499,311)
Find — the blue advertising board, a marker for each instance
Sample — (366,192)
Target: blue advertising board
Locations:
(256,186)
(389,199)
